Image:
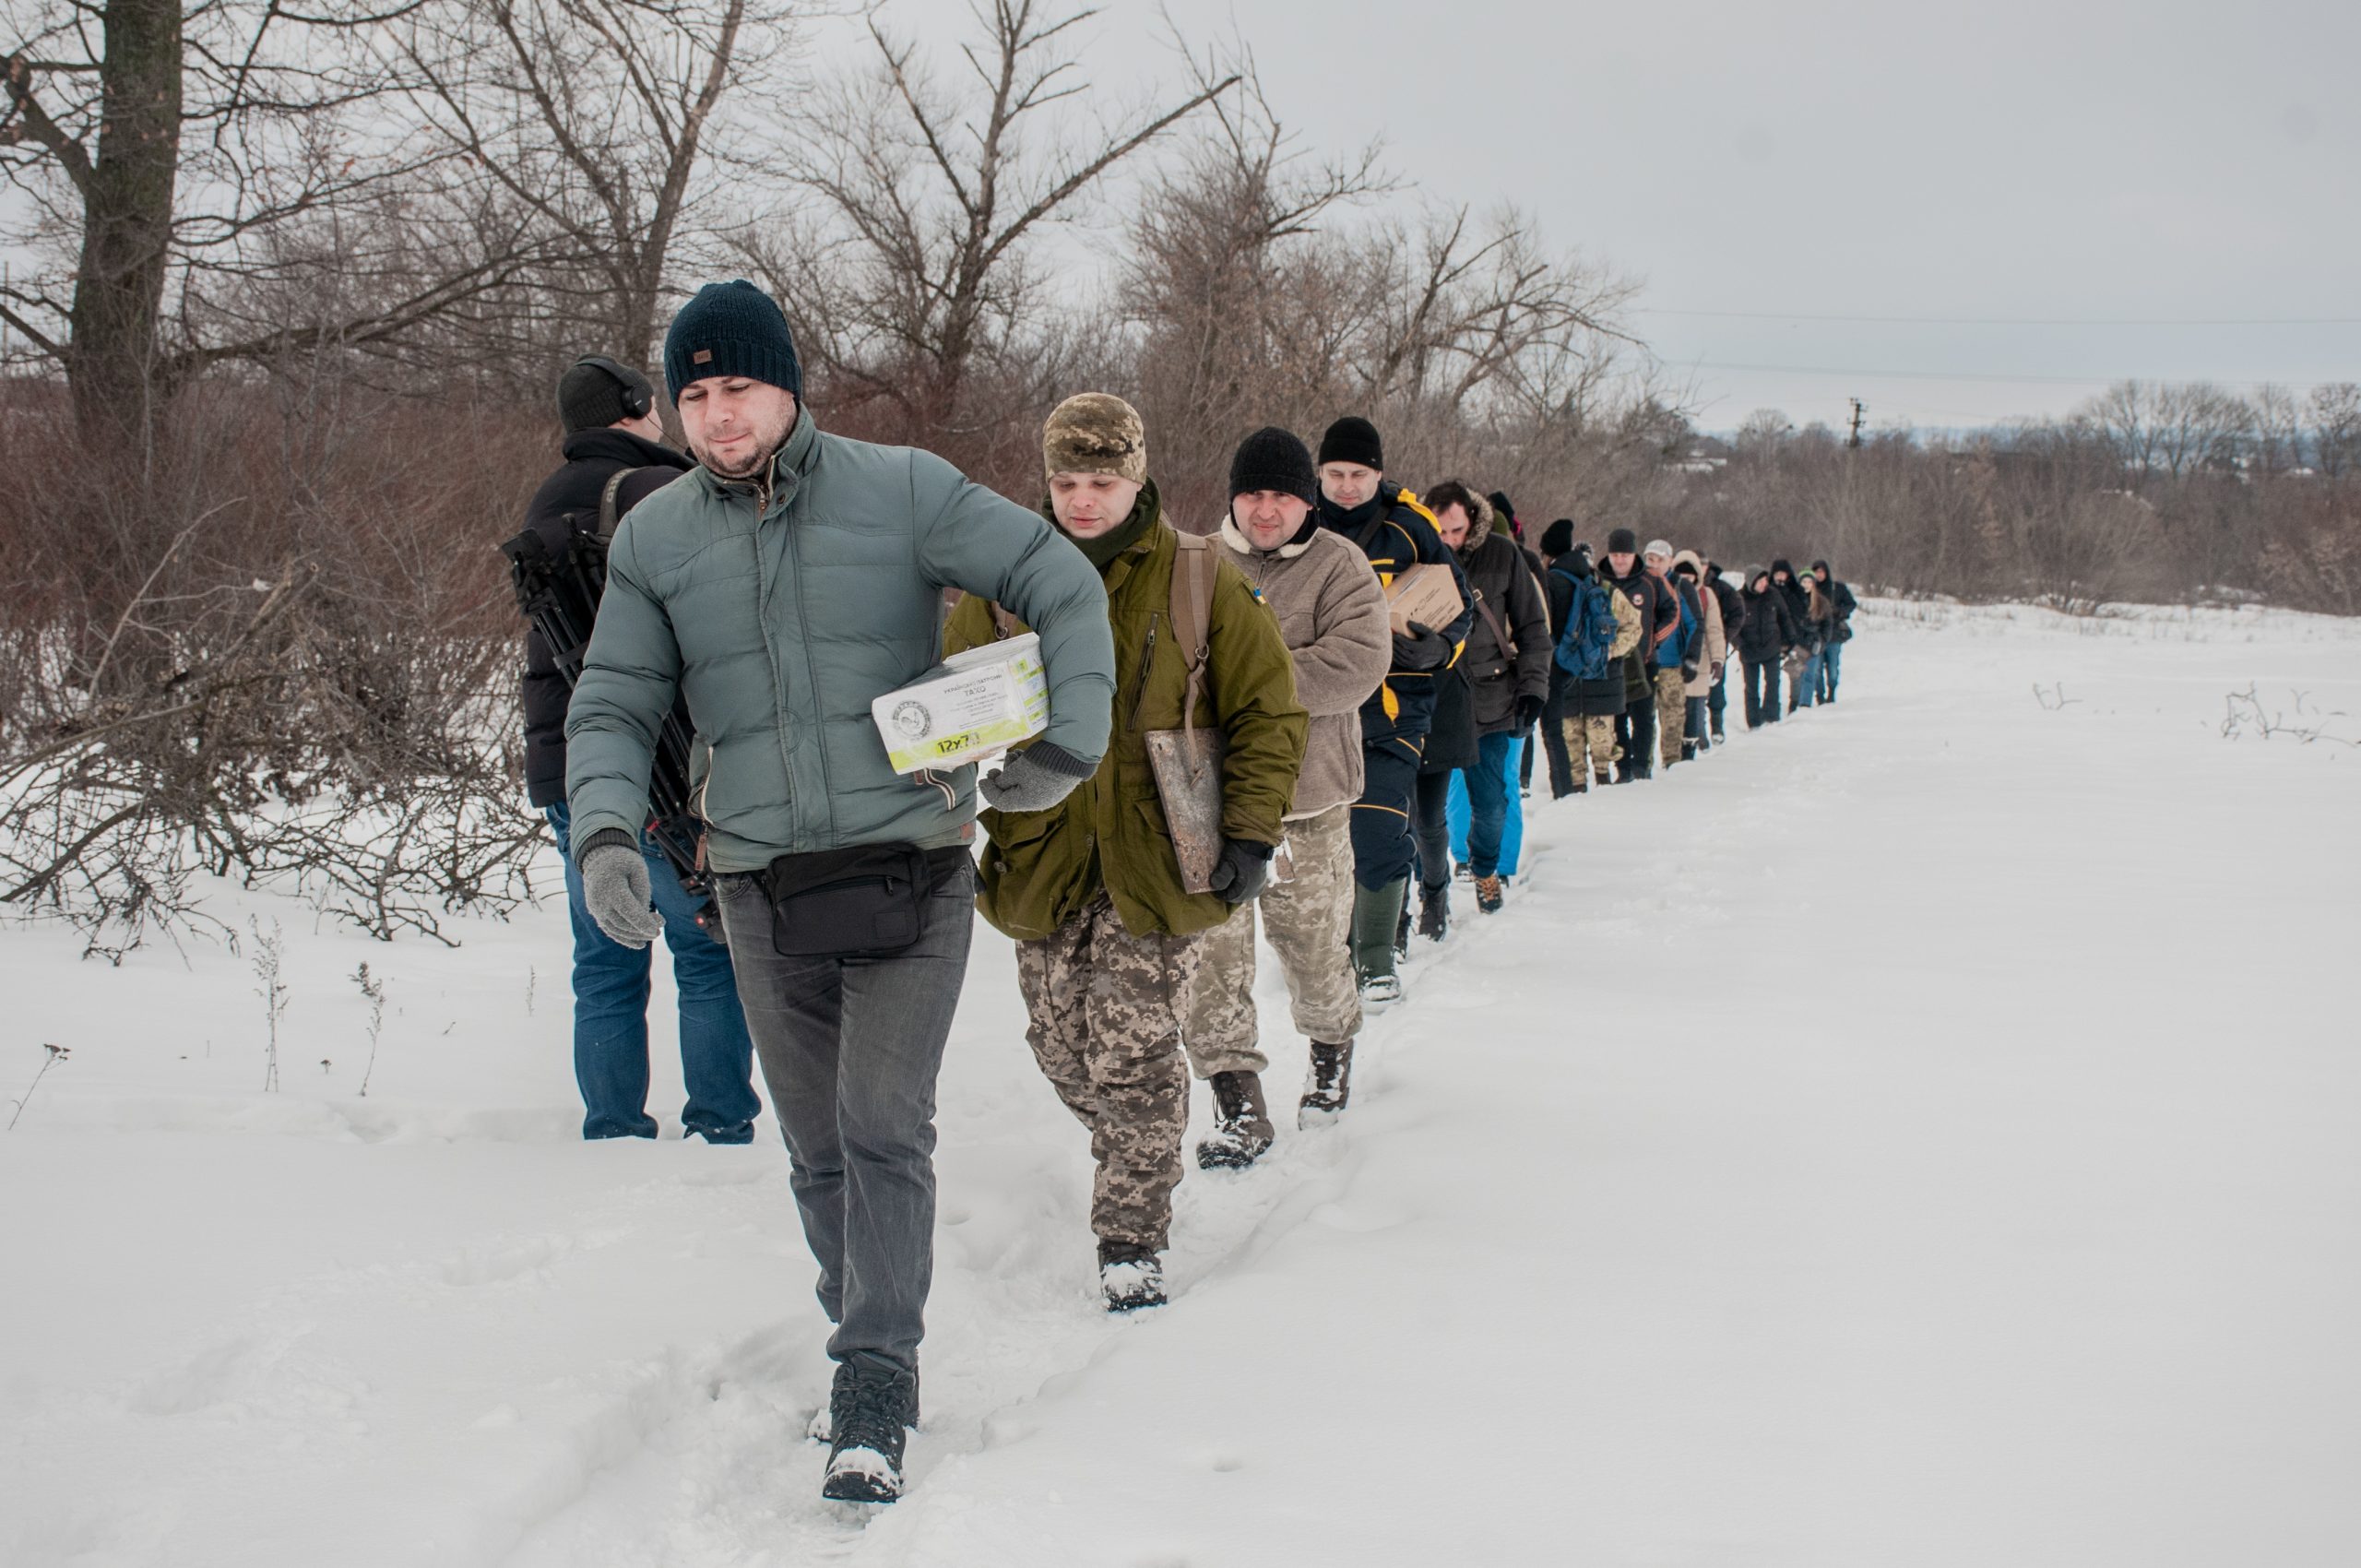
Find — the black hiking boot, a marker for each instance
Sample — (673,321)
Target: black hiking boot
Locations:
(1330,1085)
(1130,1277)
(1242,1128)
(1689,750)
(870,1412)
(1434,910)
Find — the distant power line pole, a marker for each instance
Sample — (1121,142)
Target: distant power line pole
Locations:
(1858,411)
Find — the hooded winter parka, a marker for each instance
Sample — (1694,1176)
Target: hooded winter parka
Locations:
(1396,533)
(1503,581)
(1766,633)
(782,608)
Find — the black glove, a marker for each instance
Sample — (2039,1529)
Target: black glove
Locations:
(1423,648)
(1243,867)
(1528,713)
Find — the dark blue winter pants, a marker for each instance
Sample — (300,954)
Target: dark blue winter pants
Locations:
(611,990)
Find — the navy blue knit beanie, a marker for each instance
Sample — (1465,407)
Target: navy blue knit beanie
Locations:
(731,330)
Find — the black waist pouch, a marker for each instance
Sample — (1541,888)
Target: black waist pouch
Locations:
(865,902)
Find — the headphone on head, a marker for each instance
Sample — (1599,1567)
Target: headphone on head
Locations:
(638,397)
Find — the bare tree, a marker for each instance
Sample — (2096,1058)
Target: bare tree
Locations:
(907,259)
(597,119)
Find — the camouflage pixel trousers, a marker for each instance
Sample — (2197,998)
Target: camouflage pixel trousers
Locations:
(1308,920)
(1106,1011)
(1593,735)
(1672,712)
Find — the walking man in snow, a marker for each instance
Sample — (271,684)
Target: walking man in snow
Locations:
(1838,630)
(1332,616)
(614,460)
(1635,729)
(1110,939)
(1597,629)
(1396,533)
(787,582)
(1670,669)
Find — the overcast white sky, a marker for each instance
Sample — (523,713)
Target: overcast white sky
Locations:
(2115,183)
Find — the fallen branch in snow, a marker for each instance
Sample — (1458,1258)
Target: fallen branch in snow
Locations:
(2244,714)
(56,1053)
(2055,699)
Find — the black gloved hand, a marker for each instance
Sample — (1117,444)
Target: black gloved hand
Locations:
(1528,713)
(1243,867)
(1422,649)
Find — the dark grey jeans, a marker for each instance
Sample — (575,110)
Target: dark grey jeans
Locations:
(850,1047)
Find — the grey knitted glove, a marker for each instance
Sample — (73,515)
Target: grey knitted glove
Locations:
(1035,778)
(615,890)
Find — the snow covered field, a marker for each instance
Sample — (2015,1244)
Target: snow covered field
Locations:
(1923,1133)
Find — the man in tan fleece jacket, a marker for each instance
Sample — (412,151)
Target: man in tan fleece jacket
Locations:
(1333,616)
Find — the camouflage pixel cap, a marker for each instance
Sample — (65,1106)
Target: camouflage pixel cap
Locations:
(1096,433)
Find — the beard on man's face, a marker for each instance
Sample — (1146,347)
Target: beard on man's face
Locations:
(766,444)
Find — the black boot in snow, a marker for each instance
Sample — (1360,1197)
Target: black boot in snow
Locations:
(1331,1086)
(1130,1277)
(870,1412)
(1242,1129)
(1377,919)
(1434,910)
(1489,894)
(1689,750)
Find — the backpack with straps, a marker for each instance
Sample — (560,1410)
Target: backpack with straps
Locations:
(1585,644)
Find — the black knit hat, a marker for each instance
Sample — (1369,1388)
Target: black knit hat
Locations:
(1576,561)
(1501,508)
(731,329)
(596,392)
(1558,538)
(1353,440)
(1273,459)
(1622,541)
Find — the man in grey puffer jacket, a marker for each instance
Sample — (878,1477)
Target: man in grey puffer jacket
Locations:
(781,586)
(1340,639)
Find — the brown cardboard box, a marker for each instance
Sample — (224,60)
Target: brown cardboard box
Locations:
(1427,594)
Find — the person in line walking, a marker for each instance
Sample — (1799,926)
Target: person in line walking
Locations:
(1733,608)
(1668,671)
(782,586)
(1803,650)
(1507,661)
(1396,533)
(1598,628)
(1332,616)
(1659,613)
(615,457)
(1840,605)
(1763,639)
(1703,667)
(1110,939)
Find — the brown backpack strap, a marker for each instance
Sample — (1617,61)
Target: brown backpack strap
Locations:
(1194,572)
(1003,622)
(1492,619)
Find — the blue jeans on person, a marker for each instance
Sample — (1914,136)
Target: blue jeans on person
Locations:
(1831,657)
(1488,837)
(611,991)
(1804,689)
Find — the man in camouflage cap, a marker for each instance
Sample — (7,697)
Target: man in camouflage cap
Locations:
(1109,939)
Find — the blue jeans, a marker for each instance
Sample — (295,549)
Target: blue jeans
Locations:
(611,988)
(1831,658)
(1486,816)
(1804,690)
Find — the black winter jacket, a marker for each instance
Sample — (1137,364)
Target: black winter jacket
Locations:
(1396,534)
(1767,631)
(1802,631)
(1659,619)
(1502,578)
(568,501)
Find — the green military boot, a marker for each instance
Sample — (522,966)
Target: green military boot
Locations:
(1376,914)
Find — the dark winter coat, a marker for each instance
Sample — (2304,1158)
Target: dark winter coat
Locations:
(567,503)
(1767,632)
(1659,619)
(1396,534)
(1733,603)
(1841,597)
(1503,583)
(1577,602)
(1798,599)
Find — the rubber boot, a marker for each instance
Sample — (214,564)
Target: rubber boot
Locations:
(1376,914)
